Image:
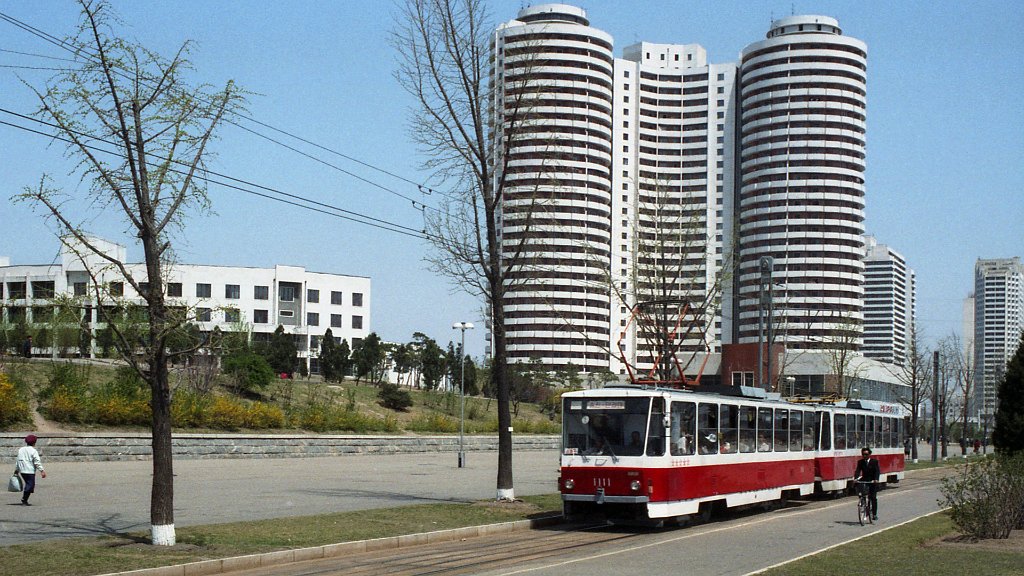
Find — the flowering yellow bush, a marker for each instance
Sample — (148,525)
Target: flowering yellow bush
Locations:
(225,414)
(67,406)
(259,415)
(13,405)
(119,410)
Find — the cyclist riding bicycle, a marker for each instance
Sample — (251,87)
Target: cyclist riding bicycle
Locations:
(869,471)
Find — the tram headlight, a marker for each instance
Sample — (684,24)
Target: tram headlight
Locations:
(634,485)
(570,483)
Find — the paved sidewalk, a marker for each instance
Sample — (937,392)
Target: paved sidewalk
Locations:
(91,498)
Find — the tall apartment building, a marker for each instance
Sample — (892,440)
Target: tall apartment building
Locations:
(228,298)
(555,77)
(802,98)
(889,304)
(673,176)
(998,324)
(661,176)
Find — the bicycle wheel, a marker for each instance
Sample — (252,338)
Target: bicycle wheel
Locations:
(863,511)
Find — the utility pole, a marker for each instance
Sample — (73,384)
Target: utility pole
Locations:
(935,406)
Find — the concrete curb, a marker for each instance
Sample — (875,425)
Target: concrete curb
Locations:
(222,565)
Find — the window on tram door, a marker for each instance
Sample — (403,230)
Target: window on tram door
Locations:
(796,430)
(840,432)
(862,431)
(809,429)
(603,426)
(748,429)
(826,428)
(728,428)
(656,429)
(684,426)
(852,436)
(707,428)
(781,430)
(764,429)
(884,439)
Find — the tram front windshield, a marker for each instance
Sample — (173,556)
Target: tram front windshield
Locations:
(605,426)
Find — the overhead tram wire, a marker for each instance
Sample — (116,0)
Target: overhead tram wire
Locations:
(424,189)
(288,198)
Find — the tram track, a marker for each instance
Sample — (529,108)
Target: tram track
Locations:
(552,546)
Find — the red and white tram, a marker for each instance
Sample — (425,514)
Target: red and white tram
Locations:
(648,454)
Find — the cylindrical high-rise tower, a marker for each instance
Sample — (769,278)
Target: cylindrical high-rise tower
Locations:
(801,199)
(555,74)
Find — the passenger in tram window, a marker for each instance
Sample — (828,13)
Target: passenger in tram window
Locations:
(684,445)
(762,444)
(597,448)
(636,444)
(709,444)
(727,447)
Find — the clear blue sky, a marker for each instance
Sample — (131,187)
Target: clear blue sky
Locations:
(945,166)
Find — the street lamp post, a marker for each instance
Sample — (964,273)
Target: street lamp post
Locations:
(463,326)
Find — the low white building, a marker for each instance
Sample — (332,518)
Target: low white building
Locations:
(230,298)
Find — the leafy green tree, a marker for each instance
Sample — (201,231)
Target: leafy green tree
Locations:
(394,397)
(403,359)
(430,359)
(280,352)
(1008,436)
(342,360)
(327,368)
(368,358)
(251,371)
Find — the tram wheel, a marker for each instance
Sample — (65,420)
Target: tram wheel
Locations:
(704,512)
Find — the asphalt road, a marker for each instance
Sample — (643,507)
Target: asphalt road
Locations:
(91,498)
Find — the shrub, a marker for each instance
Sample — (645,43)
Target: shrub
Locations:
(13,403)
(986,497)
(68,377)
(225,414)
(67,405)
(259,415)
(188,408)
(250,371)
(117,410)
(393,397)
(433,423)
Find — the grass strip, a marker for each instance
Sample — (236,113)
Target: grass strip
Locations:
(913,549)
(101,555)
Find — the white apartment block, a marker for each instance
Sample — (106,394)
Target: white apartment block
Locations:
(672,207)
(889,304)
(661,176)
(228,298)
(801,196)
(998,324)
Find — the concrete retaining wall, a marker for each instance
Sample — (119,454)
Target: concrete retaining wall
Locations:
(57,447)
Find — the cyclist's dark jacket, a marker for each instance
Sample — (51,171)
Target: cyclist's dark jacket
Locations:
(867,470)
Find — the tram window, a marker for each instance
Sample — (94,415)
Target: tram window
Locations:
(840,432)
(825,442)
(656,430)
(748,428)
(729,428)
(707,428)
(796,429)
(809,431)
(852,436)
(886,434)
(781,430)
(683,428)
(602,426)
(764,429)
(861,431)
(874,424)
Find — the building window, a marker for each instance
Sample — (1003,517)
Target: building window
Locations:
(357,322)
(287,313)
(721,102)
(335,320)
(313,296)
(117,288)
(287,294)
(261,292)
(232,291)
(203,291)
(143,288)
(202,314)
(336,298)
(16,290)
(79,288)
(721,76)
(357,298)
(625,73)
(174,289)
(721,89)
(625,98)
(260,317)
(312,318)
(43,289)
(232,315)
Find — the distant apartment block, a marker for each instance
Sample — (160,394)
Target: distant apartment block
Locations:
(998,324)
(889,304)
(228,298)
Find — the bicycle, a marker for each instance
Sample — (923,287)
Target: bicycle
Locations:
(863,503)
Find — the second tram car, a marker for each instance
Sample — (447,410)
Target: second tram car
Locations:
(644,454)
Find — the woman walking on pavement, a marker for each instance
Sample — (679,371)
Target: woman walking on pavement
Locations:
(28,464)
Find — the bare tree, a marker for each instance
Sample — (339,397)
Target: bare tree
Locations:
(916,375)
(840,348)
(139,133)
(962,366)
(467,122)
